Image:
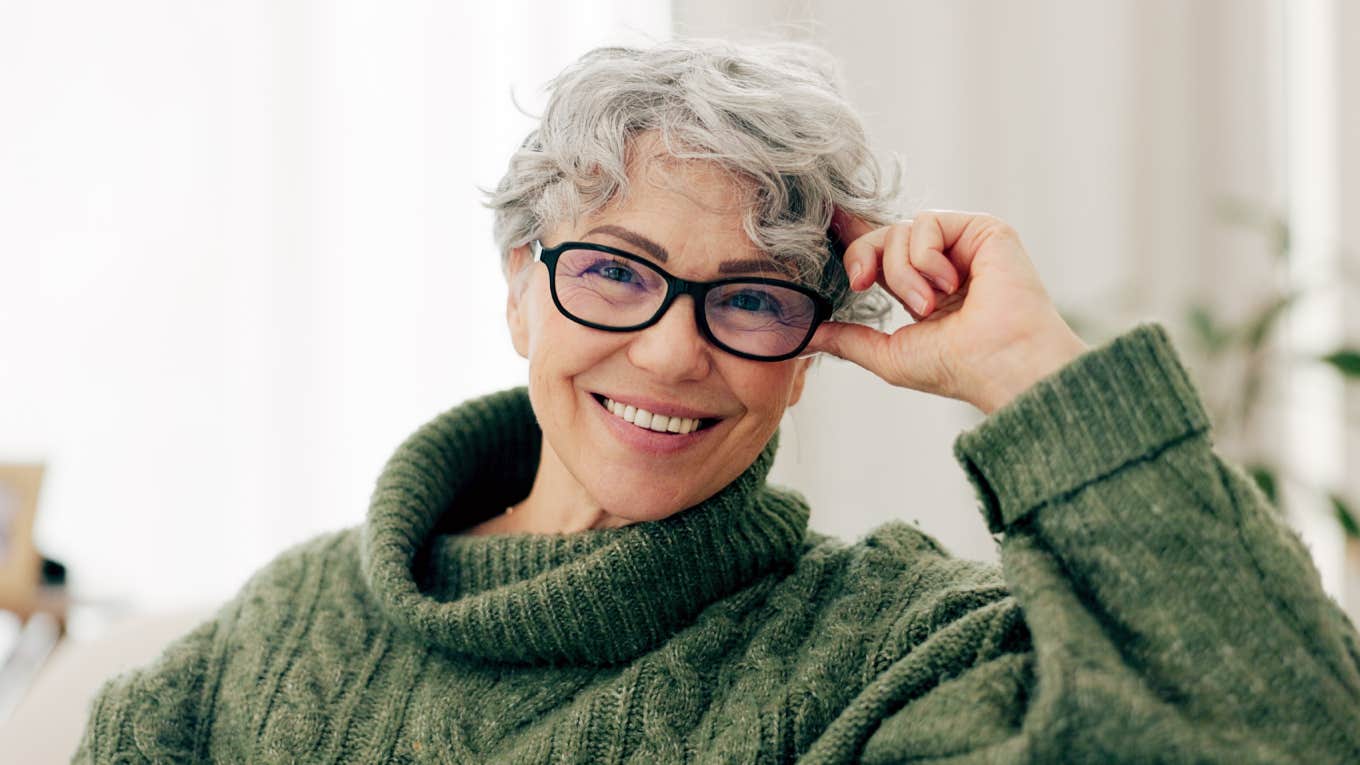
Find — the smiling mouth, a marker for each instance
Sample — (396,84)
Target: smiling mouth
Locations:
(656,423)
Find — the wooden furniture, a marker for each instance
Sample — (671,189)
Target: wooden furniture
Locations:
(20,562)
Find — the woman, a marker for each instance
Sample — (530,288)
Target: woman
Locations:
(593,569)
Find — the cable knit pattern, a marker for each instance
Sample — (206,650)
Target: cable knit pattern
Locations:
(1149,607)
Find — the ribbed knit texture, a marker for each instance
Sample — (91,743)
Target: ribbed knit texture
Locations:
(1150,607)
(519,598)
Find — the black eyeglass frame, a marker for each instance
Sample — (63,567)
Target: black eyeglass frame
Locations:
(675,287)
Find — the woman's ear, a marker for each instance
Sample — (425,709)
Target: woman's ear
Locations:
(516,312)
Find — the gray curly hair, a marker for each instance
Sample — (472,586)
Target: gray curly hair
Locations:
(772,114)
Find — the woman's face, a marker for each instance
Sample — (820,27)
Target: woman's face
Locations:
(692,211)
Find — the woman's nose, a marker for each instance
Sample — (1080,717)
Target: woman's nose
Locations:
(672,349)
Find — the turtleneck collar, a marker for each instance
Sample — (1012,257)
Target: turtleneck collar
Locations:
(600,596)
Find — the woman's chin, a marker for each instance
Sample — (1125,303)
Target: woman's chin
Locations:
(641,508)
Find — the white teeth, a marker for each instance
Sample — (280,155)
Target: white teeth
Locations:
(645,419)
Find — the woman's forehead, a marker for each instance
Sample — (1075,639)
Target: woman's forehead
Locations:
(669,199)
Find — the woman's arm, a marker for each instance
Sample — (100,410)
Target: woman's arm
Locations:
(1173,615)
(155,712)
(1167,614)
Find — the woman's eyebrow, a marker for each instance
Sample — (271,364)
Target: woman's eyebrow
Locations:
(633,238)
(659,252)
(753,264)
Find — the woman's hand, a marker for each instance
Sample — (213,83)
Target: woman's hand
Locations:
(985,328)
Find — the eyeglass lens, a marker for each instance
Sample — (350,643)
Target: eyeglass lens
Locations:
(749,317)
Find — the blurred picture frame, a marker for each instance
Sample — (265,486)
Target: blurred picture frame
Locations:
(20,563)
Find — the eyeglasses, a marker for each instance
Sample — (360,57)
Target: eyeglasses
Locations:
(607,288)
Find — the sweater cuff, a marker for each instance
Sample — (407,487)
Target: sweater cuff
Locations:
(1110,406)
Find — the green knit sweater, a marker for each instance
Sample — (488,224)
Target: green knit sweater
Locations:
(1149,607)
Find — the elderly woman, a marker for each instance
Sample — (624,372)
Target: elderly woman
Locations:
(594,569)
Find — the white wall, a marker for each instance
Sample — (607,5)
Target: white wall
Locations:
(242,255)
(1103,131)
(239,241)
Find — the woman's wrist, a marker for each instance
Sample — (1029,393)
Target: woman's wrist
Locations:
(1021,366)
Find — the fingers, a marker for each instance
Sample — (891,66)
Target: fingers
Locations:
(861,258)
(856,343)
(960,234)
(900,277)
(846,227)
(911,271)
(915,259)
(862,242)
(926,253)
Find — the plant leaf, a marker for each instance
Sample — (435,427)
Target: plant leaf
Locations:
(1346,361)
(1283,238)
(1264,476)
(1258,329)
(1206,328)
(1345,516)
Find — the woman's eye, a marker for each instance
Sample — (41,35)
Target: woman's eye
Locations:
(615,272)
(753,301)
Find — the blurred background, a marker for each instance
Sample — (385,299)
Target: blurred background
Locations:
(243,255)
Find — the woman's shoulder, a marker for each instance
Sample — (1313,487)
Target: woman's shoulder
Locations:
(894,546)
(860,604)
(318,569)
(331,552)
(893,568)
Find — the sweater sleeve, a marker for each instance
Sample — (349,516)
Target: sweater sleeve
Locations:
(1173,615)
(155,713)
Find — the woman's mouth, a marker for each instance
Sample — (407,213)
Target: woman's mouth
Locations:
(657,423)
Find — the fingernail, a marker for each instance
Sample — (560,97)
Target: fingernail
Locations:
(917,303)
(855,271)
(940,284)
